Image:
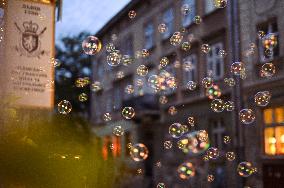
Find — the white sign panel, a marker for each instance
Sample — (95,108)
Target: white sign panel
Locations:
(29,48)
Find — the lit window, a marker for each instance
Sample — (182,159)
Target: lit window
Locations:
(189,69)
(268,28)
(274,131)
(149,35)
(209,6)
(188,18)
(218,133)
(168,19)
(215,64)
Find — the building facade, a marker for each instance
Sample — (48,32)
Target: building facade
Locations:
(234,29)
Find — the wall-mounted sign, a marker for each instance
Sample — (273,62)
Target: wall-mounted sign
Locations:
(28,52)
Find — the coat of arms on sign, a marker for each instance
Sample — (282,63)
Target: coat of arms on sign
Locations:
(30,44)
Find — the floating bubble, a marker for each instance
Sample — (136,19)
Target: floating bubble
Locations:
(142,70)
(185,46)
(118,130)
(145,53)
(139,171)
(205,48)
(245,169)
(55,62)
(237,68)
(222,53)
(185,9)
(247,116)
(139,152)
(82,82)
(163,99)
(217,105)
(154,83)
(207,82)
(83,97)
(191,85)
(268,69)
(172,110)
(182,144)
(220,3)
(230,156)
(190,121)
(110,47)
(227,139)
(230,82)
(168,144)
(205,158)
(197,20)
(111,146)
(213,153)
(187,66)
(186,170)
(161,185)
(176,130)
(159,164)
(129,89)
(176,39)
(194,145)
(128,112)
(91,45)
(114,37)
(260,34)
(164,62)
(210,178)
(269,41)
(114,58)
(202,135)
(262,98)
(139,82)
(127,60)
(96,86)
(162,28)
(268,52)
(185,128)
(213,92)
(229,106)
(64,107)
(132,14)
(119,75)
(107,117)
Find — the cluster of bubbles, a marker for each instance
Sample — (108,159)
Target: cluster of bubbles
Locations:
(139,152)
(64,107)
(91,45)
(162,82)
(186,170)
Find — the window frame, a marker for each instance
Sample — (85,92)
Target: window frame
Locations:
(169,21)
(149,34)
(194,59)
(211,62)
(215,131)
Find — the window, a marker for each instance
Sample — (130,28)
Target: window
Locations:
(109,101)
(187,19)
(209,6)
(266,55)
(117,97)
(218,133)
(215,64)
(127,48)
(168,19)
(189,68)
(149,35)
(274,131)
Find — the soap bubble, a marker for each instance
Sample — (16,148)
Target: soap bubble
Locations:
(176,130)
(210,178)
(205,48)
(96,86)
(269,41)
(91,45)
(128,112)
(129,89)
(237,68)
(247,116)
(82,82)
(118,130)
(139,152)
(188,66)
(197,20)
(107,117)
(220,3)
(186,170)
(172,110)
(161,185)
(230,156)
(163,99)
(268,69)
(230,82)
(245,169)
(185,9)
(114,58)
(213,153)
(190,121)
(229,106)
(185,46)
(191,85)
(119,75)
(227,139)
(132,14)
(217,105)
(126,60)
(162,28)
(202,135)
(83,97)
(213,92)
(64,107)
(222,53)
(207,82)
(260,34)
(176,39)
(168,144)
(164,62)
(110,47)
(262,98)
(55,62)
